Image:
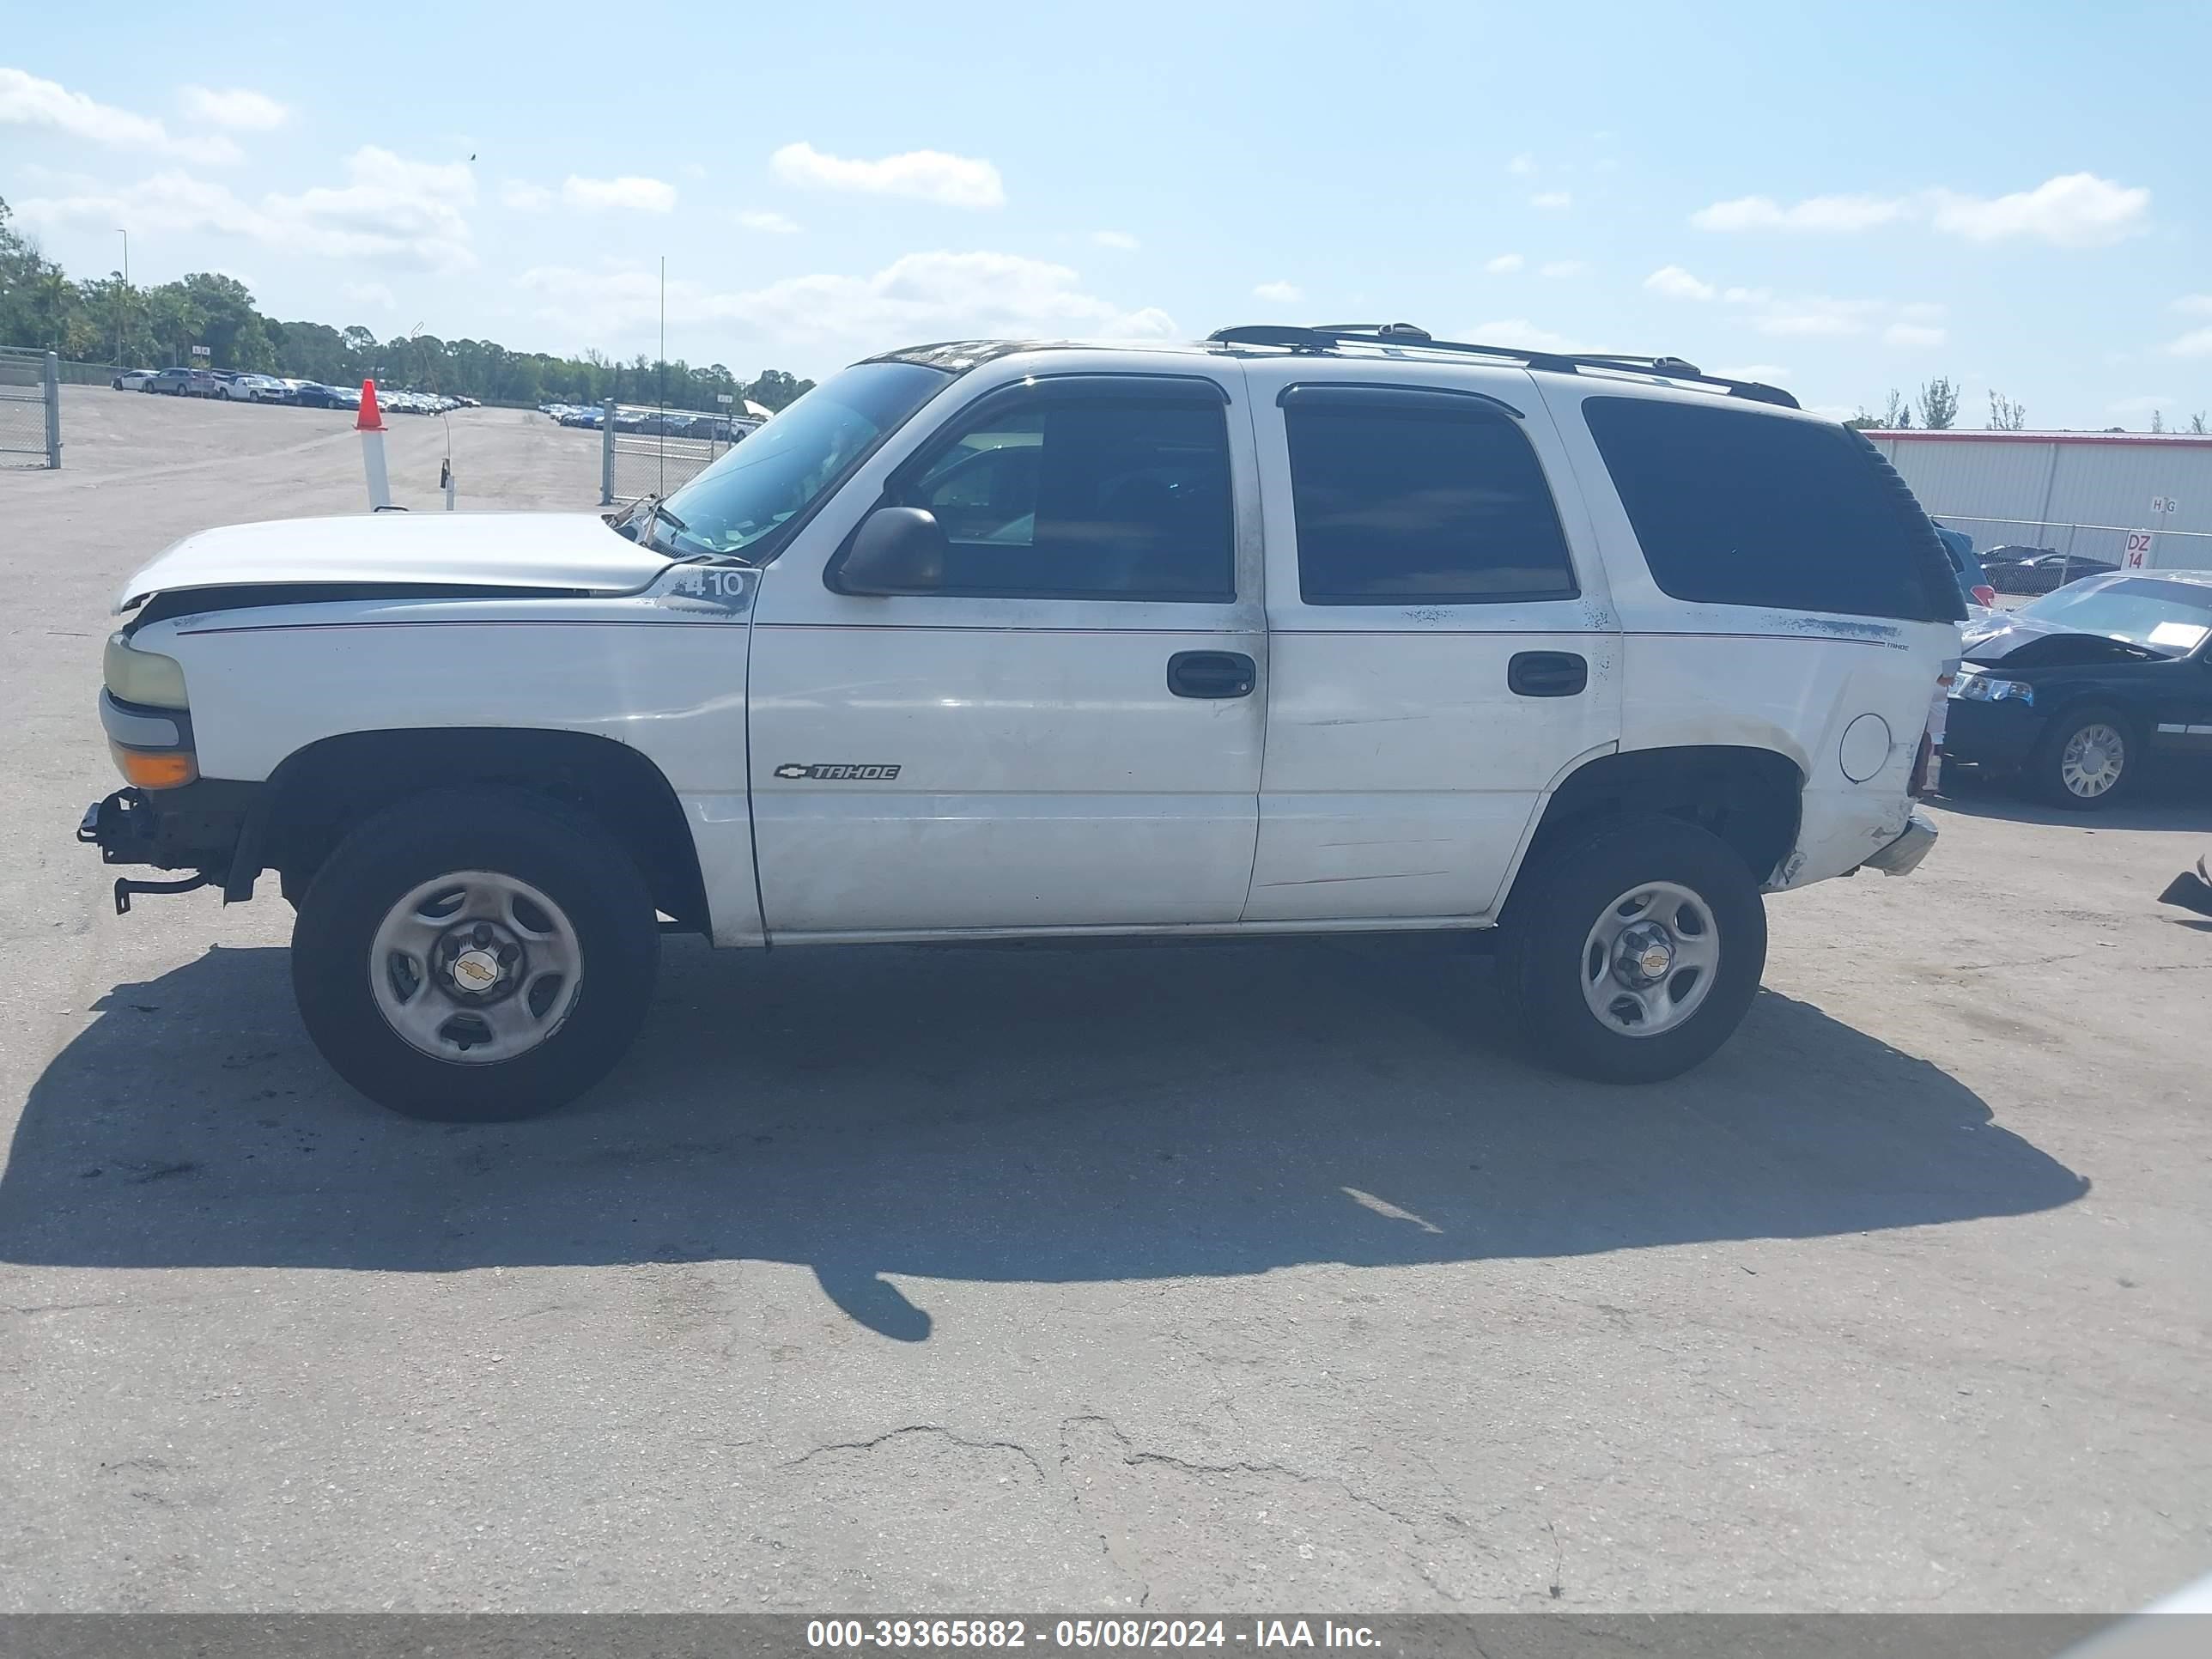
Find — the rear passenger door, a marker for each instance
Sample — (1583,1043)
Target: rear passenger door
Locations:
(1440,651)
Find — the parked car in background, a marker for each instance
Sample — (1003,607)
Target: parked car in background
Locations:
(132,379)
(252,389)
(344,396)
(182,382)
(313,394)
(1973,583)
(2079,693)
(2051,571)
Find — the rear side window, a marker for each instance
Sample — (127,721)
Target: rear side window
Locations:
(1736,507)
(1404,496)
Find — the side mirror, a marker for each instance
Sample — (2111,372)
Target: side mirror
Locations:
(897,550)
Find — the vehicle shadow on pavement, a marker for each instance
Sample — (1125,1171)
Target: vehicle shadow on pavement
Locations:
(1033,1114)
(2179,798)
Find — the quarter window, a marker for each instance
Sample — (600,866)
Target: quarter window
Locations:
(1734,507)
(1406,496)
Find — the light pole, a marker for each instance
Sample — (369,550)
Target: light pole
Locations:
(123,298)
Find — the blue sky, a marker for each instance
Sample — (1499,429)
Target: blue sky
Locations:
(1845,199)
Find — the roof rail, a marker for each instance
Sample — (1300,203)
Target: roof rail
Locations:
(1321,336)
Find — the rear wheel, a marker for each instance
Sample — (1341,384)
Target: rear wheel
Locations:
(2086,760)
(1631,953)
(475,956)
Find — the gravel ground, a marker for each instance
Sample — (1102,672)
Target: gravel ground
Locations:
(1247,1276)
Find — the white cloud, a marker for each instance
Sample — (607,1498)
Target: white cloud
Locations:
(1521,165)
(1566,268)
(1677,284)
(1519,332)
(2195,343)
(1119,240)
(28,101)
(927,175)
(1504,263)
(390,211)
(1279,294)
(234,107)
(1818,213)
(1913,334)
(2074,209)
(921,296)
(771,224)
(1746,297)
(525,197)
(630,194)
(1552,201)
(370,294)
(1769,373)
(2194,305)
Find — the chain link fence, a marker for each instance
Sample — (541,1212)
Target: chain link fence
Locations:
(649,451)
(2039,556)
(30,409)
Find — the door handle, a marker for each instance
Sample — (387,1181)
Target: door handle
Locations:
(1547,674)
(1211,674)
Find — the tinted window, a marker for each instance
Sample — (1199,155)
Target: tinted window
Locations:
(1067,494)
(1405,497)
(1735,508)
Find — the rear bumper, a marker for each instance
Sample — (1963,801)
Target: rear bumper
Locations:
(1902,856)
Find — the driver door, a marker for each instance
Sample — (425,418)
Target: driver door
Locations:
(1066,733)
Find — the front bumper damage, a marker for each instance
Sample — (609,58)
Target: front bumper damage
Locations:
(1902,857)
(197,827)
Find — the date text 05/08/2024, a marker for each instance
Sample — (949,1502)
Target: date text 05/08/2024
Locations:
(1082,1633)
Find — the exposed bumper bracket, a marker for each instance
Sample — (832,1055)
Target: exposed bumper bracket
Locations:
(1902,857)
(125,887)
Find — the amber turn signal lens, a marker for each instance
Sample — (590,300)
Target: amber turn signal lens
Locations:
(163,769)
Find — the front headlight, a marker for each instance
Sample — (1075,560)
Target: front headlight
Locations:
(143,676)
(1977,686)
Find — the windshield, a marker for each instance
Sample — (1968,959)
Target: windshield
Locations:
(2169,616)
(739,504)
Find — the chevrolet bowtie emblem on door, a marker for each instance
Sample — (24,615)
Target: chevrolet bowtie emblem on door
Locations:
(842,773)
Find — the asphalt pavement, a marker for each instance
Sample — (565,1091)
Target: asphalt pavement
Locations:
(1250,1275)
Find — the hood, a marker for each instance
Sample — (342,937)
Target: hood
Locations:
(2025,642)
(572,552)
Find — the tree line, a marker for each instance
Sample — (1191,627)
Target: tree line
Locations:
(103,319)
(1938,408)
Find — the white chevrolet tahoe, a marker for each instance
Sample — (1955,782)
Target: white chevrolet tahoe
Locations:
(1288,631)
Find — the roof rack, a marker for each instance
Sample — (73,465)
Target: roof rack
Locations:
(1326,337)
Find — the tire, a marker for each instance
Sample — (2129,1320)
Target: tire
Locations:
(382,940)
(1568,912)
(2072,767)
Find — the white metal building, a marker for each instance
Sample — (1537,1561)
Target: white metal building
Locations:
(2075,492)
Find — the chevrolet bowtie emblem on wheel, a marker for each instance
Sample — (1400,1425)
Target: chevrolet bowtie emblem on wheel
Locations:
(843,773)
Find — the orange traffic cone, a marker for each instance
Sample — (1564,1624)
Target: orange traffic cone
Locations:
(370,425)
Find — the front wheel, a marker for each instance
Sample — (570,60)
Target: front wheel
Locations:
(475,956)
(1631,953)
(2086,760)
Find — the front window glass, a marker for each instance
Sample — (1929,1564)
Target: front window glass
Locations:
(1111,495)
(741,503)
(2171,616)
